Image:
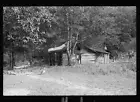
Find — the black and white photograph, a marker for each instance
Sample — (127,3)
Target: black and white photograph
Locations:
(69,51)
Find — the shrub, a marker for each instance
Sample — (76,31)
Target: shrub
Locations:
(5,59)
(131,66)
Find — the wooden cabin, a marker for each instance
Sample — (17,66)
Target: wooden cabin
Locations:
(91,55)
(91,52)
(58,55)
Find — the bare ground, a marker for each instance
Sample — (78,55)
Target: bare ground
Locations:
(67,81)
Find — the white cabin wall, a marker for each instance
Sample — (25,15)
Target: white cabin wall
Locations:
(88,58)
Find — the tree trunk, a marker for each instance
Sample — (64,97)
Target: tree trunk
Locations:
(75,43)
(69,42)
(11,67)
(31,61)
(73,51)
(69,52)
(24,56)
(69,59)
(13,58)
(30,58)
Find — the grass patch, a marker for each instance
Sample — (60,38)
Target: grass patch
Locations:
(127,69)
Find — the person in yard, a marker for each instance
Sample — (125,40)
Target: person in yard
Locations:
(78,57)
(43,71)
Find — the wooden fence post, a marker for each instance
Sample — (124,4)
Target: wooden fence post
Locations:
(66,99)
(62,99)
(81,99)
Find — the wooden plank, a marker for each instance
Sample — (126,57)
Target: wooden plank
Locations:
(57,48)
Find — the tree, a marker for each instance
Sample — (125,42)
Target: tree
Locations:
(67,17)
(21,26)
(41,26)
(10,30)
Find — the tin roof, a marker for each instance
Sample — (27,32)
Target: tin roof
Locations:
(95,44)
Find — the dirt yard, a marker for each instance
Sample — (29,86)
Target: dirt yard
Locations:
(67,81)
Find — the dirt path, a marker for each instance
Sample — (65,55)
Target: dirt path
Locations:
(58,82)
(69,88)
